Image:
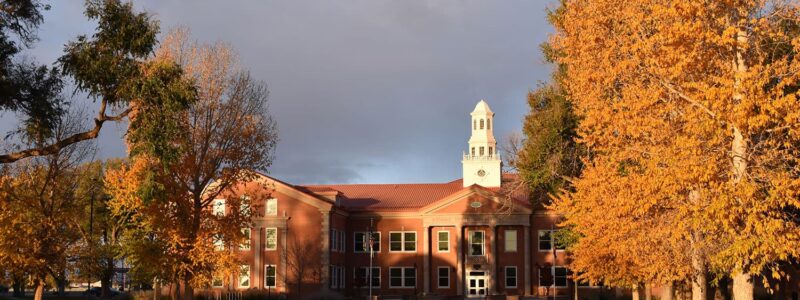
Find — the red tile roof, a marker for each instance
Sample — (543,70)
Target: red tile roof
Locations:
(400,197)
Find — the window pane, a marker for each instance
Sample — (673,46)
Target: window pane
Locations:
(444,241)
(411,236)
(410,277)
(511,240)
(545,241)
(271,238)
(271,207)
(376,241)
(359,244)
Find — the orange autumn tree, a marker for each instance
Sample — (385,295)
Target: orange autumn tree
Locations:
(691,109)
(225,135)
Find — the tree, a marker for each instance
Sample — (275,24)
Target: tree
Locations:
(689,108)
(221,140)
(303,264)
(111,67)
(40,214)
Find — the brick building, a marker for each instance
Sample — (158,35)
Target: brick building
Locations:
(471,237)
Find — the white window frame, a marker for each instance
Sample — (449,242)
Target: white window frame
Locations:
(246,245)
(366,236)
(439,278)
(506,234)
(403,278)
(267,238)
(483,243)
(376,273)
(218,207)
(337,277)
(244,204)
(241,270)
(275,282)
(403,242)
(439,241)
(516,277)
(271,207)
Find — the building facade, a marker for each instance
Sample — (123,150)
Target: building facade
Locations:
(471,237)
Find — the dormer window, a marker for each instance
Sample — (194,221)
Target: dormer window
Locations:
(488,123)
(481,123)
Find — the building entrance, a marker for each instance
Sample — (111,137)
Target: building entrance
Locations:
(476,284)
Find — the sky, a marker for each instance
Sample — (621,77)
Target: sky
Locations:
(365,91)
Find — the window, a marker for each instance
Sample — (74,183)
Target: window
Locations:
(547,241)
(480,151)
(561,274)
(362,275)
(244,205)
(246,244)
(489,125)
(337,277)
(481,123)
(444,277)
(402,277)
(244,276)
(271,242)
(511,277)
(334,240)
(444,241)
(476,243)
(342,242)
(490,151)
(361,246)
(219,207)
(216,282)
(271,207)
(219,243)
(510,240)
(474,124)
(403,241)
(473,151)
(270,276)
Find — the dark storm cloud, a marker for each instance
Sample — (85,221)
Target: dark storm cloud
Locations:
(363,91)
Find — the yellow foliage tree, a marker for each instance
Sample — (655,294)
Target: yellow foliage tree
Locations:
(690,109)
(225,135)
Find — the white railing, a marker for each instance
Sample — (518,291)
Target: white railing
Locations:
(481,157)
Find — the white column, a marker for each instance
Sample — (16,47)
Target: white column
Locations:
(526,240)
(426,261)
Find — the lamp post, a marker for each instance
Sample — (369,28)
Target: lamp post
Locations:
(370,241)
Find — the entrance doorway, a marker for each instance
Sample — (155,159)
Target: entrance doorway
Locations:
(476,284)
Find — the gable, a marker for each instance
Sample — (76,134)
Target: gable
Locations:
(474,200)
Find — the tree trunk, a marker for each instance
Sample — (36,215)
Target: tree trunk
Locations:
(105,280)
(743,287)
(19,288)
(647,293)
(742,282)
(699,282)
(39,290)
(156,291)
(188,293)
(668,292)
(636,293)
(175,290)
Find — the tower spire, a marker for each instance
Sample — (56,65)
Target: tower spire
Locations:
(481,163)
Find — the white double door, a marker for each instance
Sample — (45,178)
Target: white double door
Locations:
(476,284)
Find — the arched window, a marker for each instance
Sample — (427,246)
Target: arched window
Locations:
(481,123)
(473,151)
(474,124)
(489,125)
(481,151)
(490,151)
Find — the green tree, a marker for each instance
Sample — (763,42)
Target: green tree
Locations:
(111,66)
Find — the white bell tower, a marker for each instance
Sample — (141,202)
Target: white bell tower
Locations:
(481,163)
